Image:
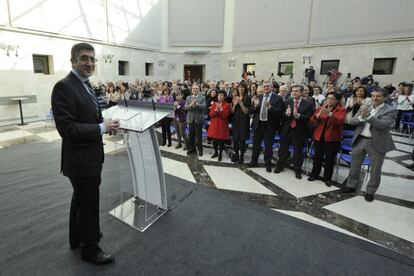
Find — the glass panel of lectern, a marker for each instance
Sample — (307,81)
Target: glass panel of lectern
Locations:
(143,196)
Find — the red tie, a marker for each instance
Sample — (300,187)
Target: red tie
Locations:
(293,122)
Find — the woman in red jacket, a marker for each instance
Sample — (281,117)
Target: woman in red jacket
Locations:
(219,125)
(328,121)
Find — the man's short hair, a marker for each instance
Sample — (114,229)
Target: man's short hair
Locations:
(298,86)
(74,53)
(381,90)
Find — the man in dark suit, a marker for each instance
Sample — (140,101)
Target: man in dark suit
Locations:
(196,106)
(295,130)
(80,124)
(267,112)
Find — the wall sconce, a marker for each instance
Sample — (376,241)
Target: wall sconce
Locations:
(232,62)
(107,58)
(306,57)
(161,62)
(10,48)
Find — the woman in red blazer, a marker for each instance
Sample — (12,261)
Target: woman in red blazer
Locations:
(328,120)
(219,125)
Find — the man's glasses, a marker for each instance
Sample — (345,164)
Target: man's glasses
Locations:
(87,58)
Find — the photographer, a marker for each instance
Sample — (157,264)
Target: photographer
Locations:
(310,74)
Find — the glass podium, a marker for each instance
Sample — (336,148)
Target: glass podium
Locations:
(143,196)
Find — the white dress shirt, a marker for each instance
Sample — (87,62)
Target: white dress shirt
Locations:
(366,132)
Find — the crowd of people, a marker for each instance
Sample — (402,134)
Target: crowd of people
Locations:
(294,117)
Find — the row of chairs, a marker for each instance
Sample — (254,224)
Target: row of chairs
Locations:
(407,124)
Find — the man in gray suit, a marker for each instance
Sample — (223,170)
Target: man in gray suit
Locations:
(372,136)
(195,105)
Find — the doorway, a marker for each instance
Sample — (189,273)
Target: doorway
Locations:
(194,73)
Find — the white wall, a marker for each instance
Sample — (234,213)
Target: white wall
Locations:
(268,24)
(357,59)
(196,22)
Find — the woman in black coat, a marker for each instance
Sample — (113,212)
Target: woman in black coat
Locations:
(240,121)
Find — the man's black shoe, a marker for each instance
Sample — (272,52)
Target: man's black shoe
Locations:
(98,258)
(328,183)
(200,153)
(311,178)
(369,197)
(269,168)
(298,175)
(278,170)
(348,190)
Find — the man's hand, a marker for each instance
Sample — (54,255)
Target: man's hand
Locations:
(288,111)
(364,111)
(295,113)
(111,125)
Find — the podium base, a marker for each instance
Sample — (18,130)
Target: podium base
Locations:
(137,213)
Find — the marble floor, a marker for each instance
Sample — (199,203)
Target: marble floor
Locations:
(387,221)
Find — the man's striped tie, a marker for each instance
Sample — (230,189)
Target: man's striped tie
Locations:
(91,93)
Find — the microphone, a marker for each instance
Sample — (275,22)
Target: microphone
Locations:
(125,101)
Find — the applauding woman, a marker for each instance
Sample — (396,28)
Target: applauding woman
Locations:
(241,122)
(219,125)
(353,104)
(328,121)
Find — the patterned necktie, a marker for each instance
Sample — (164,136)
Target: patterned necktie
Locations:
(91,94)
(293,122)
(263,109)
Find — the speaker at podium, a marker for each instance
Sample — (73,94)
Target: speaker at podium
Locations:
(143,196)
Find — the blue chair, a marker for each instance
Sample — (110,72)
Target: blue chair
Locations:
(347,158)
(49,117)
(172,129)
(346,144)
(249,141)
(347,133)
(407,122)
(274,146)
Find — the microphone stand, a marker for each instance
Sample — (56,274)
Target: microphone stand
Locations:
(126,102)
(148,95)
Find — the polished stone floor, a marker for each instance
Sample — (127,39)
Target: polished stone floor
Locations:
(387,221)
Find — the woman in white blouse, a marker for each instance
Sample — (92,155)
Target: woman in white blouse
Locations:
(405,104)
(354,103)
